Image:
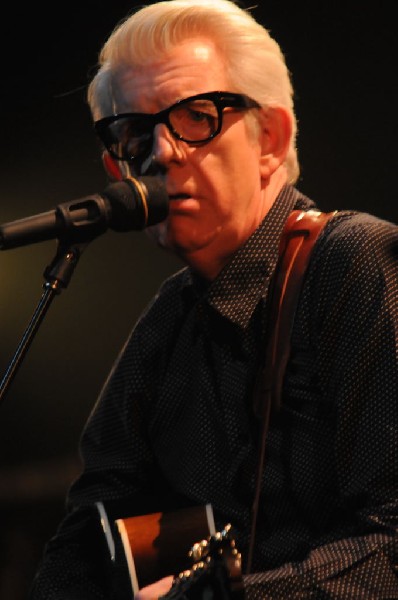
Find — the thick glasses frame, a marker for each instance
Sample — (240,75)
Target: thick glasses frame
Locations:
(147,122)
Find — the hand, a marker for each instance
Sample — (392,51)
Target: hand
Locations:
(155,590)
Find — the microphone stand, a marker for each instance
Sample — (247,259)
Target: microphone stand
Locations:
(57,274)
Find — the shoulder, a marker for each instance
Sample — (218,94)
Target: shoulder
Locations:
(158,322)
(169,299)
(355,238)
(352,279)
(154,331)
(354,265)
(360,224)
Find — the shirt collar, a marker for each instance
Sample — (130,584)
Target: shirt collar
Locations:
(245,279)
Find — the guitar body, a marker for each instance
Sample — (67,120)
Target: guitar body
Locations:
(183,543)
(158,544)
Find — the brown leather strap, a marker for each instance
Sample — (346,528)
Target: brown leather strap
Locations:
(302,229)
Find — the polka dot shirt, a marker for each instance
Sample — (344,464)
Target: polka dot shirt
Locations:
(174,424)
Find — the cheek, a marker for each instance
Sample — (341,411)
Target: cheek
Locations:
(237,179)
(236,161)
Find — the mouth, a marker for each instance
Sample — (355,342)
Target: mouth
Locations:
(179,197)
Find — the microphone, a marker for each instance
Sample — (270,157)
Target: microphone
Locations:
(127,205)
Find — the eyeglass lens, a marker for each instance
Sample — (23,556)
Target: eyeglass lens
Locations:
(193,121)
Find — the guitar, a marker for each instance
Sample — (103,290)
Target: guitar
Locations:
(160,544)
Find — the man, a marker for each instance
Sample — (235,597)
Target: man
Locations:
(195,92)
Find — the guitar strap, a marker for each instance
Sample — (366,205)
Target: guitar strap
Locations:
(302,229)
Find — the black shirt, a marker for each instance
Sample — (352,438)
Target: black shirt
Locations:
(174,424)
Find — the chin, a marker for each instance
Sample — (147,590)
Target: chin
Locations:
(161,235)
(157,233)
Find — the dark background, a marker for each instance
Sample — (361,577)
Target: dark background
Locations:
(343,59)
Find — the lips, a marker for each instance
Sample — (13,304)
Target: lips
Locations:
(179,196)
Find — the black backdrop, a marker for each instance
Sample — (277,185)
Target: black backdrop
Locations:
(343,59)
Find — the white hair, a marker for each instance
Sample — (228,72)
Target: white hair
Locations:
(255,64)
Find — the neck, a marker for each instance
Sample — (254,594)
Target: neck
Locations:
(209,261)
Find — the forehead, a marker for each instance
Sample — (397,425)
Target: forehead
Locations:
(193,67)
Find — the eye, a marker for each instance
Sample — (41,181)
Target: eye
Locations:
(197,115)
(202,108)
(195,121)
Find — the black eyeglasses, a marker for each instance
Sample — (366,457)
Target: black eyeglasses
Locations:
(195,120)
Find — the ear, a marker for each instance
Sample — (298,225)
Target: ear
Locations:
(112,167)
(276,132)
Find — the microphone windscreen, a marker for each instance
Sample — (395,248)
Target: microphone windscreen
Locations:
(137,203)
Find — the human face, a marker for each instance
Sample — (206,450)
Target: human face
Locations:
(214,189)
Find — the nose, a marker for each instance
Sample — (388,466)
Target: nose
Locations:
(166,148)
